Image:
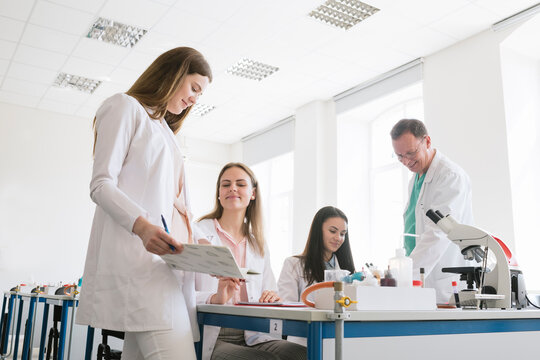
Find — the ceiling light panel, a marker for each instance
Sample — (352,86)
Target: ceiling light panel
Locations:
(251,69)
(343,14)
(116,33)
(200,109)
(80,83)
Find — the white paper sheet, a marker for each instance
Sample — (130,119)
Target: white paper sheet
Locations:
(208,259)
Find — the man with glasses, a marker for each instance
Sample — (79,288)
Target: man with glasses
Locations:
(438,184)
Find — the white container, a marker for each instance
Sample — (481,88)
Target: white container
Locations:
(401,268)
(379,298)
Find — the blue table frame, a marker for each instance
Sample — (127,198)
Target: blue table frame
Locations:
(66,302)
(319,329)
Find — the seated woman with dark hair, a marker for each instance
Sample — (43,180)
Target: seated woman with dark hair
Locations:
(327,248)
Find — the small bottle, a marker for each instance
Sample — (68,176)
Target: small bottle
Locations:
(422,271)
(388,280)
(401,267)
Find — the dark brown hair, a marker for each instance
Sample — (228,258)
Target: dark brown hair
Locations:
(312,257)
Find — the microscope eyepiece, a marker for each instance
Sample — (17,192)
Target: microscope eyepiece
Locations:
(433,216)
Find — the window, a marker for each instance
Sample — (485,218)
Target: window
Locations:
(372,183)
(520,67)
(275,178)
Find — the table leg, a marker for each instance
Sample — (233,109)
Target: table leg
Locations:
(89,343)
(29,327)
(314,341)
(63,325)
(3,340)
(199,345)
(18,330)
(43,331)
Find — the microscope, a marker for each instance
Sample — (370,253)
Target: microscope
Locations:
(498,285)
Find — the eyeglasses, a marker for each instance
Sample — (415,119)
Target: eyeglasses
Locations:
(411,154)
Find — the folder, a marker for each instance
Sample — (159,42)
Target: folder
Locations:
(208,259)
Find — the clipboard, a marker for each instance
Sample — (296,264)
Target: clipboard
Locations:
(207,259)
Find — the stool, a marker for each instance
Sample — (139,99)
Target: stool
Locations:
(104,350)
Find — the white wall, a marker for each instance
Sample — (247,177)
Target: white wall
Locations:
(464,107)
(45,208)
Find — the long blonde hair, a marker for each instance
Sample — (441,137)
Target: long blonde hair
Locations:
(159,82)
(253,223)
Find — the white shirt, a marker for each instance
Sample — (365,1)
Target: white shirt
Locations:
(206,285)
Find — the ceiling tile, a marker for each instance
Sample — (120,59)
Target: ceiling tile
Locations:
(83,5)
(165,2)
(4,64)
(141,13)
(86,68)
(49,39)
(216,10)
(94,101)
(466,21)
(422,42)
(7,49)
(40,58)
(186,27)
(108,88)
(62,18)
(156,43)
(66,95)
(57,106)
(31,73)
(138,61)
(422,11)
(99,51)
(505,8)
(19,99)
(86,112)
(19,9)
(24,87)
(10,29)
(125,76)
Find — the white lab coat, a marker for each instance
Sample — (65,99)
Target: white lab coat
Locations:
(125,287)
(206,285)
(291,283)
(446,188)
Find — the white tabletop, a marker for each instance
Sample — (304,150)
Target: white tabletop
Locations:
(310,314)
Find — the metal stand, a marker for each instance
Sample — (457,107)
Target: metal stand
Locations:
(339,316)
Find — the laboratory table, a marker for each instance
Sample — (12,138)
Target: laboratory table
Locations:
(390,325)
(14,302)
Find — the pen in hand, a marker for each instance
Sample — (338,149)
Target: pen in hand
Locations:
(167,230)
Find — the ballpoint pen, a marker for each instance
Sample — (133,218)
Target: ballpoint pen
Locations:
(167,230)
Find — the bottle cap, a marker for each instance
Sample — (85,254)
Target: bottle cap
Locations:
(454,283)
(422,270)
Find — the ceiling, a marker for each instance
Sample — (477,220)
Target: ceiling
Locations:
(39,39)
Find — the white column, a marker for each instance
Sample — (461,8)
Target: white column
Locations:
(315,165)
(464,113)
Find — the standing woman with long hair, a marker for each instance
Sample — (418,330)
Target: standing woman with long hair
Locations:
(327,248)
(236,222)
(138,176)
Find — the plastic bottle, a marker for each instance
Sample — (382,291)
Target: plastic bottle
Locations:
(401,267)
